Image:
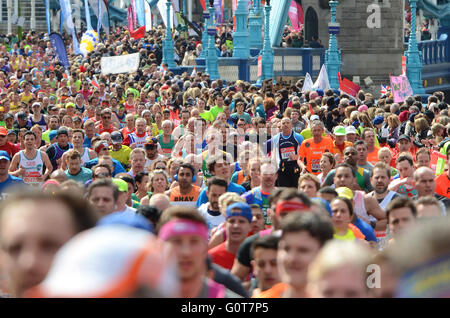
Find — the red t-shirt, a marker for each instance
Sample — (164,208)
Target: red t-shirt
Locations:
(10,149)
(443,185)
(102,129)
(221,256)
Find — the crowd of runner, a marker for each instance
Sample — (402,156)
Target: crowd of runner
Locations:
(186,187)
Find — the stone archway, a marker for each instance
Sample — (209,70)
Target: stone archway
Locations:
(311,24)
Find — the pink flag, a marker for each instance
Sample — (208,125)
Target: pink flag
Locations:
(130,19)
(296,15)
(133,7)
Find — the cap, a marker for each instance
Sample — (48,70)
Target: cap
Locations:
(378,120)
(116,137)
(62,131)
(21,115)
(113,261)
(3,131)
(4,155)
(403,116)
(345,192)
(339,131)
(350,130)
(70,105)
(363,108)
(122,185)
(405,137)
(412,117)
(151,141)
(125,218)
(52,134)
(314,117)
(429,114)
(244,208)
(100,145)
(8,116)
(76,118)
(36,104)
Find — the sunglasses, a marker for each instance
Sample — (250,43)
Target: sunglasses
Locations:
(106,117)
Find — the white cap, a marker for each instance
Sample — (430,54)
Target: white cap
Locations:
(350,130)
(314,117)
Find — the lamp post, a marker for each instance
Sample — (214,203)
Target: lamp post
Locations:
(205,37)
(168,45)
(241,47)
(413,56)
(267,51)
(255,24)
(333,54)
(212,65)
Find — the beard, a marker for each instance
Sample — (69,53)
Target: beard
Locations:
(380,191)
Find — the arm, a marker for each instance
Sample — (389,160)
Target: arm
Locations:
(14,165)
(63,161)
(92,154)
(373,208)
(48,166)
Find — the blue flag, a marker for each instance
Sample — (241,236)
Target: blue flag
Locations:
(99,18)
(140,12)
(88,15)
(47,15)
(66,11)
(60,49)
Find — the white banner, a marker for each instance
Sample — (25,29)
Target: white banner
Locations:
(120,64)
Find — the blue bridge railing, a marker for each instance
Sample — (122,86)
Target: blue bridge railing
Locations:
(435,51)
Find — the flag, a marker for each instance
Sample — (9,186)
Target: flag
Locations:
(385,89)
(140,12)
(296,15)
(138,33)
(60,49)
(307,83)
(100,6)
(148,17)
(88,15)
(94,82)
(322,81)
(133,8)
(130,19)
(194,72)
(348,87)
(202,2)
(66,15)
(99,18)
(47,15)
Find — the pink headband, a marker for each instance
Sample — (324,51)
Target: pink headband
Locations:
(183,227)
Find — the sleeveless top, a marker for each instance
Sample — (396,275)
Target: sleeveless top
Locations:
(360,207)
(387,199)
(190,199)
(139,141)
(34,167)
(288,146)
(41,123)
(166,147)
(85,156)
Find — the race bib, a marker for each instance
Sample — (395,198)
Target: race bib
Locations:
(286,152)
(315,165)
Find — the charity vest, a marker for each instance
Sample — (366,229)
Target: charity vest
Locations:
(34,167)
(166,147)
(140,141)
(176,198)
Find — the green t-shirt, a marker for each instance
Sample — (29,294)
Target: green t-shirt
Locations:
(206,115)
(215,111)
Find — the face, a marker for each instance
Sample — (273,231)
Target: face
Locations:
(343,177)
(425,184)
(404,145)
(309,187)
(140,126)
(294,116)
(343,282)
(268,176)
(325,164)
(405,169)
(138,162)
(219,101)
(380,180)
(428,211)
(185,177)
(30,140)
(191,252)
(222,169)
(159,183)
(369,138)
(257,220)
(296,251)
(102,198)
(265,267)
(317,131)
(341,216)
(400,219)
(362,152)
(77,139)
(63,139)
(237,228)
(214,192)
(74,164)
(423,160)
(31,234)
(167,128)
(385,157)
(286,125)
(339,140)
(100,172)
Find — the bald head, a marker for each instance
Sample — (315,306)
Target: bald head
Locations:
(424,179)
(159,200)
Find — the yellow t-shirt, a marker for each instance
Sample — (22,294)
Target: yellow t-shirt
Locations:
(349,236)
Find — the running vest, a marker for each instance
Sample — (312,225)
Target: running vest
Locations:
(139,141)
(287,146)
(34,167)
(166,147)
(360,207)
(85,156)
(387,199)
(41,123)
(176,198)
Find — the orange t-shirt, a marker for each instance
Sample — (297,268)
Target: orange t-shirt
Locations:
(312,152)
(443,185)
(275,292)
(372,157)
(357,232)
(176,198)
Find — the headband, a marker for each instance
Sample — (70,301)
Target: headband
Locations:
(289,206)
(183,227)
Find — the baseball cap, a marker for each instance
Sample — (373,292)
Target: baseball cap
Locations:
(125,218)
(3,131)
(8,116)
(151,141)
(70,105)
(116,137)
(244,208)
(406,137)
(345,192)
(339,131)
(363,108)
(4,155)
(350,130)
(314,117)
(378,120)
(110,262)
(62,131)
(2,109)
(122,185)
(36,104)
(52,134)
(21,115)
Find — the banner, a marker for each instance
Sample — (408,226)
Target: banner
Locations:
(148,16)
(322,81)
(307,83)
(88,15)
(403,65)
(60,49)
(162,7)
(66,11)
(130,19)
(140,12)
(259,67)
(102,21)
(47,15)
(120,64)
(348,87)
(296,15)
(400,88)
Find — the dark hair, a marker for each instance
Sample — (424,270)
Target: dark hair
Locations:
(29,132)
(328,190)
(403,158)
(360,142)
(187,166)
(290,193)
(346,165)
(398,203)
(275,195)
(266,241)
(215,159)
(218,182)
(317,225)
(151,213)
(347,202)
(127,178)
(140,176)
(103,183)
(103,165)
(381,165)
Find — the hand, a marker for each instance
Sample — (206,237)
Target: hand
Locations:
(293,156)
(132,146)
(22,171)
(337,158)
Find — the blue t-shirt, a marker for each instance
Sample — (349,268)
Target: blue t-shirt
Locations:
(232,187)
(84,175)
(87,141)
(10,182)
(366,229)
(118,168)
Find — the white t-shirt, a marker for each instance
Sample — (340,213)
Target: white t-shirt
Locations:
(211,220)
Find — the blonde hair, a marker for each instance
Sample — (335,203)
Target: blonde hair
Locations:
(228,198)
